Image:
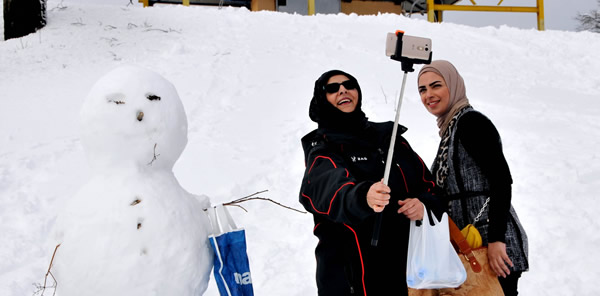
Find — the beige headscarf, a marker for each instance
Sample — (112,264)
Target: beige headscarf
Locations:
(456,86)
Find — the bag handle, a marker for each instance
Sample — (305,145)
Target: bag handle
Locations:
(459,241)
(221,220)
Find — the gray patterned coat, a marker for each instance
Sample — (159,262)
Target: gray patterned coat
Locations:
(473,192)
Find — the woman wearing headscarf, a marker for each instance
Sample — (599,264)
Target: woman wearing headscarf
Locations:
(345,161)
(470,167)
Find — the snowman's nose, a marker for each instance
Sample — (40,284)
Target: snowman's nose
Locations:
(140,116)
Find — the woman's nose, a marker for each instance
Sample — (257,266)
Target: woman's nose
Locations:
(428,93)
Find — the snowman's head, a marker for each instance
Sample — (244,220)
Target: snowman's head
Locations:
(133,118)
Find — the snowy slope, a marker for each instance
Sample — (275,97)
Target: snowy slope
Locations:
(245,79)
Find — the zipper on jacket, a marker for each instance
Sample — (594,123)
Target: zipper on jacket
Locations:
(349,277)
(381,153)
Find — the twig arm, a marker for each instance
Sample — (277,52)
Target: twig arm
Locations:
(254,197)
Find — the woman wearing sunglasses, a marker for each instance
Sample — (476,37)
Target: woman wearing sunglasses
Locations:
(471,169)
(345,161)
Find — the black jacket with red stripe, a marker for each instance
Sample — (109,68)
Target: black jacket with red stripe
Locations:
(340,168)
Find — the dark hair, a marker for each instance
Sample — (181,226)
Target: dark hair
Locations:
(325,114)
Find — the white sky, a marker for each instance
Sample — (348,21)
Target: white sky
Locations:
(559,15)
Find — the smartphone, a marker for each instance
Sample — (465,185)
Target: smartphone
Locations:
(416,48)
(390,44)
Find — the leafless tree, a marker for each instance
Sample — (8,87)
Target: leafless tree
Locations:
(589,21)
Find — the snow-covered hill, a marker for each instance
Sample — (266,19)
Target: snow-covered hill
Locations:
(246,78)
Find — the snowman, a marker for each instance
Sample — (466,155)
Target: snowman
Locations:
(132,229)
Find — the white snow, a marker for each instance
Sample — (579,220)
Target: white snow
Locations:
(245,80)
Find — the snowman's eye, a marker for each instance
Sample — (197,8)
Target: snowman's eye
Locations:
(152,97)
(116,98)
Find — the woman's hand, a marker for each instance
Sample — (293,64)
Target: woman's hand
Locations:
(412,208)
(378,196)
(498,258)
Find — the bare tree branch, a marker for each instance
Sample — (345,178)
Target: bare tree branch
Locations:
(79,22)
(254,197)
(383,92)
(42,289)
(163,30)
(589,21)
(155,155)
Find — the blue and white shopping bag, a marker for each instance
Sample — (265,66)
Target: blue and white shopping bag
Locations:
(231,267)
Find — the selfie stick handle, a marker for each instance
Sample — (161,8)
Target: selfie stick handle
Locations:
(388,163)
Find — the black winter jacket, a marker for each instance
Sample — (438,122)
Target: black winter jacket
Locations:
(340,168)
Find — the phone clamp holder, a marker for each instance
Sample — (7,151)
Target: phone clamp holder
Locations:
(406,62)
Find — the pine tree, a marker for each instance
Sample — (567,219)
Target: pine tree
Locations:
(589,21)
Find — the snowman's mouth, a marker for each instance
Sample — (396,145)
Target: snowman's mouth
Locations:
(140,115)
(117,98)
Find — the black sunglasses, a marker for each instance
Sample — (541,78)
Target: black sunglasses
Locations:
(334,87)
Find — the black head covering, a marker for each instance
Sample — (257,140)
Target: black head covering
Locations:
(327,115)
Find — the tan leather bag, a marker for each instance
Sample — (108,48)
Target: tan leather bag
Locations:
(481,279)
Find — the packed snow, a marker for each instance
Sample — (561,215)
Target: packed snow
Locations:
(245,80)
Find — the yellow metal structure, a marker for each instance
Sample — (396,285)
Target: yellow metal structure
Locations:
(311,7)
(186,2)
(434,10)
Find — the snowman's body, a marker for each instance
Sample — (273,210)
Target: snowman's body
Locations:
(132,229)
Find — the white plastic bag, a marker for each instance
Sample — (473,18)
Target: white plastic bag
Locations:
(432,262)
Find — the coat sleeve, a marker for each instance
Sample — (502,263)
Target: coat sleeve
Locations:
(482,142)
(425,188)
(330,191)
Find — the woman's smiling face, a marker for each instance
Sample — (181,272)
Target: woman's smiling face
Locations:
(435,95)
(343,99)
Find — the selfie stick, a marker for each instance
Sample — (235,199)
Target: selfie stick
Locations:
(388,162)
(407,66)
